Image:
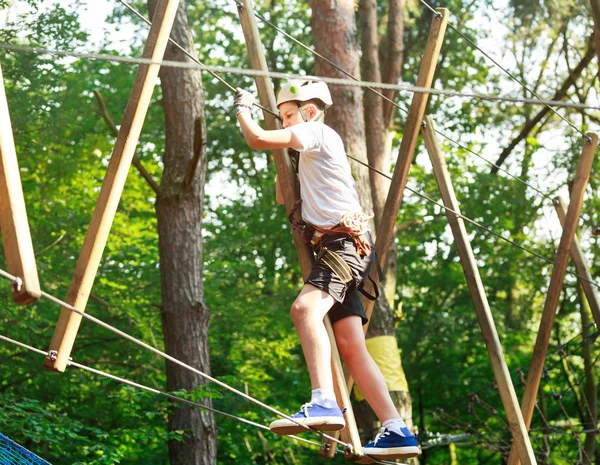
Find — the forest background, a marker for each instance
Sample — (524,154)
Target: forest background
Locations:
(249,273)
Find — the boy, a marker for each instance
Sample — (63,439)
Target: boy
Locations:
(330,208)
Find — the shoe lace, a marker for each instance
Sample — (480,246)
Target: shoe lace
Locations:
(304,408)
(382,433)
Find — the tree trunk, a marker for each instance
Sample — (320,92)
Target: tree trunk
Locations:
(394,56)
(595,7)
(185,316)
(373,106)
(334,36)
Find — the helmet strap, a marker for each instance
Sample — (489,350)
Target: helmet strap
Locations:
(302,113)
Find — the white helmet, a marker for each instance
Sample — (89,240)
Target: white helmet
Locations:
(302,90)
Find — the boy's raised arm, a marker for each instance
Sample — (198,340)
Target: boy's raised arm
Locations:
(257,137)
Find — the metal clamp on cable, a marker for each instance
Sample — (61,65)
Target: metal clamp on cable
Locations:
(17,284)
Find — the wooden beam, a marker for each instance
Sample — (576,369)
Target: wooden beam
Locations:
(556,282)
(287,180)
(112,187)
(16,237)
(266,95)
(482,307)
(581,266)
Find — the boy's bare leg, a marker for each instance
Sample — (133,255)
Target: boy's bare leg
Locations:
(308,311)
(350,340)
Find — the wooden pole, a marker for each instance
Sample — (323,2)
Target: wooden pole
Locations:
(16,237)
(556,282)
(385,232)
(112,187)
(580,266)
(287,180)
(285,171)
(482,308)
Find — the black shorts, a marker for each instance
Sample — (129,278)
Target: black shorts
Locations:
(340,280)
(352,305)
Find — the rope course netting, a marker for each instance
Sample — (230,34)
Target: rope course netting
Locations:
(12,453)
(555,431)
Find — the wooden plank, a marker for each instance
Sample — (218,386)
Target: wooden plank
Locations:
(581,266)
(414,119)
(112,187)
(556,282)
(482,308)
(287,181)
(16,237)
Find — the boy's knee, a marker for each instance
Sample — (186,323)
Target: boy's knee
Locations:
(298,312)
(347,347)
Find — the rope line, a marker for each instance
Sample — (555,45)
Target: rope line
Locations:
(176,398)
(288,76)
(17,280)
(153,390)
(508,73)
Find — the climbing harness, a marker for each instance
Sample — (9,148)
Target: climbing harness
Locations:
(354,225)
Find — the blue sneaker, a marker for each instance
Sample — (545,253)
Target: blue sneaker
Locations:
(389,445)
(322,418)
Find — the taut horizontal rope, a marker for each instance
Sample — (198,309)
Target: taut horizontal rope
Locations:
(289,76)
(154,391)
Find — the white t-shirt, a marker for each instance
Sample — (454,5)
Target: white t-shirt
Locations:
(327,187)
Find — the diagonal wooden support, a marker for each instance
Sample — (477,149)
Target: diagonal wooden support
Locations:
(482,308)
(556,283)
(287,181)
(112,187)
(580,266)
(16,237)
(414,119)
